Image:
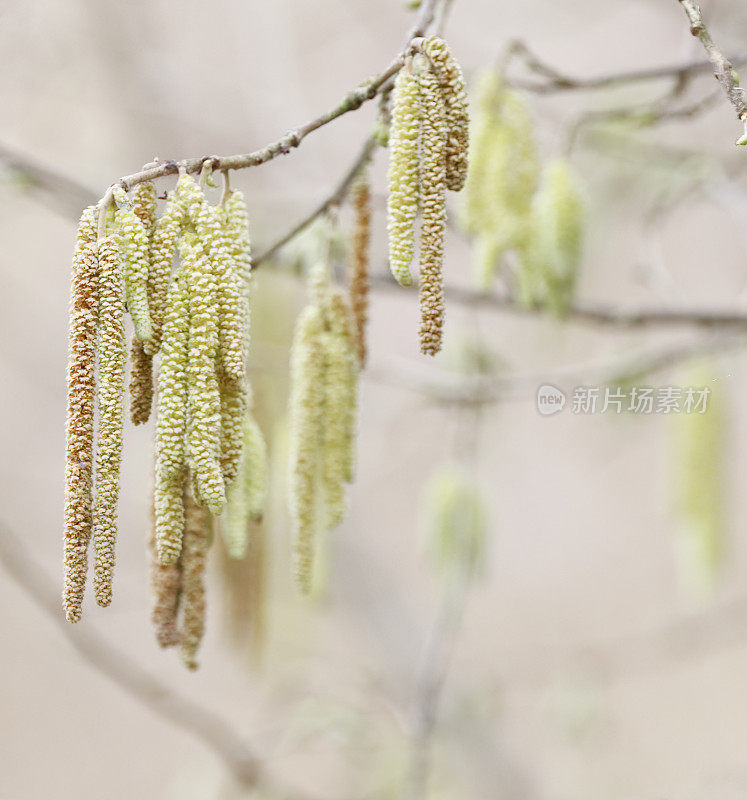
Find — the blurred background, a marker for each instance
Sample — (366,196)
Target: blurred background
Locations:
(599,649)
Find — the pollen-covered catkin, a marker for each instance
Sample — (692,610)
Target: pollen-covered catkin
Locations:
(141,383)
(141,370)
(162,249)
(433,210)
(112,357)
(81,396)
(455,103)
(403,175)
(339,406)
(134,246)
(165,582)
(171,428)
(197,539)
(305,410)
(359,281)
(552,254)
(246,495)
(203,435)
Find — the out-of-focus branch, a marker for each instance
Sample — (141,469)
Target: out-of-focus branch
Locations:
(245,766)
(460,391)
(65,194)
(556,81)
(724,70)
(593,313)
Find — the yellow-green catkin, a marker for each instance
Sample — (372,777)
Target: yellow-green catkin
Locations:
(246,496)
(134,246)
(699,465)
(340,382)
(171,428)
(359,280)
(552,253)
(503,173)
(203,450)
(305,411)
(456,520)
(162,249)
(233,293)
(144,199)
(433,208)
(112,357)
(197,540)
(403,175)
(454,95)
(81,398)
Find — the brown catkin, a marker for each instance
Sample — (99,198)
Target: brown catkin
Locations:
(81,394)
(141,370)
(359,281)
(197,537)
(433,210)
(165,582)
(112,357)
(455,103)
(141,383)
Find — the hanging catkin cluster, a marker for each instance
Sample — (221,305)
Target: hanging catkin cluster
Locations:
(513,204)
(198,319)
(428,144)
(503,175)
(323,401)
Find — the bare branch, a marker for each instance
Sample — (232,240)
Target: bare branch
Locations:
(128,675)
(724,71)
(285,144)
(556,81)
(590,312)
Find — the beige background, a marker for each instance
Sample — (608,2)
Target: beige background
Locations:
(582,672)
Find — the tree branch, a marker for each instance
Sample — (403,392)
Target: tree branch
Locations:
(214,732)
(593,313)
(556,81)
(352,101)
(724,71)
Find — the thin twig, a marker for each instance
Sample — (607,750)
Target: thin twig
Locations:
(335,199)
(285,144)
(128,675)
(724,70)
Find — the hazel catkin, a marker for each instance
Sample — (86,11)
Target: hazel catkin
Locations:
(403,175)
(359,280)
(433,209)
(305,411)
(197,540)
(112,356)
(81,397)
(454,94)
